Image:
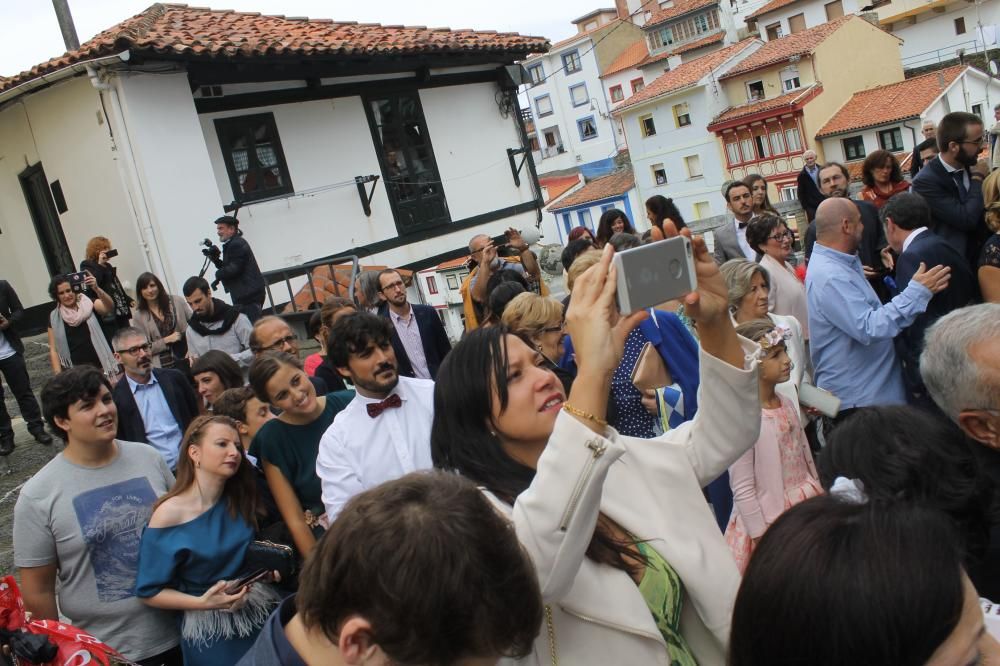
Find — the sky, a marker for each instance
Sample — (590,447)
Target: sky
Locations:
(29,32)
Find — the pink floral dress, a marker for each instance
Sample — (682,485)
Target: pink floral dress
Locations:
(779,427)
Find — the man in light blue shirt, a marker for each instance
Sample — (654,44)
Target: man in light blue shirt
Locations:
(851,332)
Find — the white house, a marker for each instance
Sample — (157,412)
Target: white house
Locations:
(333,138)
(934,32)
(571,114)
(778,18)
(889,117)
(440,287)
(584,207)
(671,153)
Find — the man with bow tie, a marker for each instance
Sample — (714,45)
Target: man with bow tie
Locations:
(731,237)
(385,431)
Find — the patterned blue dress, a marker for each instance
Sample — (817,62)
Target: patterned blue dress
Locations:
(631,418)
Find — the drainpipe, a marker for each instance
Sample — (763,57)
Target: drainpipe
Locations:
(913,135)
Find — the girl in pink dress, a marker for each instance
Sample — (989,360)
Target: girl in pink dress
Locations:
(778,472)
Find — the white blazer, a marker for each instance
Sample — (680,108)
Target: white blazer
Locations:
(787,295)
(652,488)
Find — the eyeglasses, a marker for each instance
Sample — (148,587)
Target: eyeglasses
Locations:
(780,237)
(398,284)
(281,342)
(553,329)
(134,351)
(975,142)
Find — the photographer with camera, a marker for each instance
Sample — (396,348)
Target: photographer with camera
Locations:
(237,268)
(489,256)
(98,263)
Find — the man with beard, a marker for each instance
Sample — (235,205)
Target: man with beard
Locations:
(385,431)
(216,325)
(237,268)
(155,405)
(952,185)
(418,337)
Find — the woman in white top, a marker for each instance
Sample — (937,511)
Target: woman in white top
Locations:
(631,562)
(770,237)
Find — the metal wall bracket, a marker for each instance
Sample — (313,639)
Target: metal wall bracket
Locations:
(515,169)
(366,197)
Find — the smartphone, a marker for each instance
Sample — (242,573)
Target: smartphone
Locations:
(110,253)
(77,280)
(655,273)
(817,398)
(240,583)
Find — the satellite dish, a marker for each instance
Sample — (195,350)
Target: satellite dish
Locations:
(994,70)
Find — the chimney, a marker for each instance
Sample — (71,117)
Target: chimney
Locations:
(66,24)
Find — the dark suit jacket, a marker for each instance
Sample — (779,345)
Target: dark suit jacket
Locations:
(11,309)
(238,271)
(432,336)
(872,240)
(180,397)
(932,250)
(809,195)
(957,218)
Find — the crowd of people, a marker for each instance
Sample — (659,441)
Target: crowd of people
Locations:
(795,464)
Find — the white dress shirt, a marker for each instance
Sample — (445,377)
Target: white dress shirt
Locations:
(358,452)
(909,239)
(741,238)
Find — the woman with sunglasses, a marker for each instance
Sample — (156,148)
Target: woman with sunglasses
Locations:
(771,239)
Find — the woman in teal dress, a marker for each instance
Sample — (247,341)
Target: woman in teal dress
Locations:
(196,541)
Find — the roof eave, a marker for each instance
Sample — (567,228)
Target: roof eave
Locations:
(659,96)
(850,130)
(61,74)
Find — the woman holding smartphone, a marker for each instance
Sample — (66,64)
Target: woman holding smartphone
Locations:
(75,335)
(98,263)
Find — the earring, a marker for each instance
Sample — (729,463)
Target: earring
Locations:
(197,464)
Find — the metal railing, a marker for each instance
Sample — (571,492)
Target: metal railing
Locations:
(941,55)
(307,270)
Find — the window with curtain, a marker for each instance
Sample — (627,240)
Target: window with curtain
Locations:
(254,160)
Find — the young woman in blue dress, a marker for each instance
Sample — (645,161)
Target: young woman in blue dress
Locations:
(195,545)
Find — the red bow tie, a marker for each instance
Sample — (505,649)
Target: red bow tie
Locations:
(376,408)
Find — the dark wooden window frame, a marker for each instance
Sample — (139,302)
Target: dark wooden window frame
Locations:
(224,129)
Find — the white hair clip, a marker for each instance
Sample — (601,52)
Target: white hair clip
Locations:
(851,490)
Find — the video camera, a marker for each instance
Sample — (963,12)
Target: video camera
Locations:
(211,250)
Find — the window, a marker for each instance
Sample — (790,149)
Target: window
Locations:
(571,62)
(587,127)
(543,105)
(763,148)
(792,140)
(409,170)
(733,152)
(659,174)
(747,148)
(777,141)
(682,115)
(533,140)
(254,159)
(693,165)
(453,282)
(432,287)
(536,73)
(585,219)
(960,26)
(702,209)
(578,94)
(567,222)
(637,85)
(891,139)
(755,90)
(834,10)
(773,31)
(647,126)
(789,192)
(854,148)
(790,79)
(796,23)
(977,110)
(590,26)
(616,93)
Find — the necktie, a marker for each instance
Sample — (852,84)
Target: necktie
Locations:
(959,177)
(376,408)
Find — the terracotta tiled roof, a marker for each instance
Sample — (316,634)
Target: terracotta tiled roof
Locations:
(680,7)
(780,50)
(684,48)
(890,103)
(556,186)
(854,168)
(198,32)
(770,7)
(629,58)
(788,99)
(613,184)
(454,263)
(686,74)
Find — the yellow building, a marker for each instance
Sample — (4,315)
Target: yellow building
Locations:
(783,93)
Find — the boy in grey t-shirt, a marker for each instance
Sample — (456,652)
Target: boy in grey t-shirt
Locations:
(80,518)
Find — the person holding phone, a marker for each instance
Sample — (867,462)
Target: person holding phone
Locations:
(194,547)
(98,263)
(75,334)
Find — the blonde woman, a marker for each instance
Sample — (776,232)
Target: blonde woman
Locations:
(539,320)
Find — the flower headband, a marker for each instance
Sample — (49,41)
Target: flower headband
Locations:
(776,336)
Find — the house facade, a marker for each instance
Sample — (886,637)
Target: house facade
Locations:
(329,138)
(933,32)
(440,288)
(584,207)
(786,17)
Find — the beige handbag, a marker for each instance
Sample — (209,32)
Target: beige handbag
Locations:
(650,372)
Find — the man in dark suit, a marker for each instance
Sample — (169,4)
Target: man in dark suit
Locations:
(155,405)
(16,373)
(418,337)
(237,269)
(810,195)
(907,218)
(952,185)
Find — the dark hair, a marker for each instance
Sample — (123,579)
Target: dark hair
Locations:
(755,329)
(500,296)
(240,491)
(314,324)
(463,442)
(265,366)
(222,364)
(574,249)
(353,333)
(733,185)
(953,127)
(162,298)
(874,161)
(82,382)
(624,241)
(843,170)
(760,229)
(662,208)
(388,271)
(925,144)
(883,581)
(331,306)
(908,210)
(505,275)
(54,285)
(577,233)
(382,559)
(193,284)
(906,454)
(608,218)
(749,181)
(233,403)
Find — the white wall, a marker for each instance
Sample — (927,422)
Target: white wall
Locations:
(65,129)
(833,147)
(814,10)
(936,32)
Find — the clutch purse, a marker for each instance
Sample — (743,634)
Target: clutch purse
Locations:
(649,372)
(271,556)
